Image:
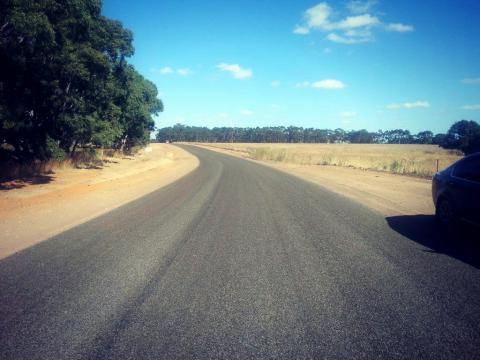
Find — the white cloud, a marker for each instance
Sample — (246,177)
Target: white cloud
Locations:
(398,27)
(363,33)
(409,105)
(347,114)
(327,51)
(327,84)
(394,106)
(184,72)
(347,40)
(417,104)
(236,70)
(317,16)
(353,29)
(275,83)
(246,112)
(359,7)
(475,107)
(471,81)
(166,70)
(302,84)
(353,22)
(301,30)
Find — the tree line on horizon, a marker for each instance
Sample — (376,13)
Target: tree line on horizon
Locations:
(463,135)
(65,83)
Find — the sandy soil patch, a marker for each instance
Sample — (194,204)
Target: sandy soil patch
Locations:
(389,194)
(44,206)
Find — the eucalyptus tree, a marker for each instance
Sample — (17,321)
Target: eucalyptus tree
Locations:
(65,81)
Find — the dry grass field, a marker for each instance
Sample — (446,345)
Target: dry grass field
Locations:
(415,160)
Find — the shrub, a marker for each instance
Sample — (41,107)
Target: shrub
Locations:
(53,150)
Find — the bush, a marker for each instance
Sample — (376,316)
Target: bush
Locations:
(463,135)
(53,150)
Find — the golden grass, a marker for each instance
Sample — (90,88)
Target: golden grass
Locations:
(416,160)
(81,160)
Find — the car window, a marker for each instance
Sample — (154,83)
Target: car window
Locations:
(468,169)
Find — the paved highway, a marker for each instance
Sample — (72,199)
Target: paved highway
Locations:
(237,260)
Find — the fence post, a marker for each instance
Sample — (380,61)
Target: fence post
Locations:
(437,164)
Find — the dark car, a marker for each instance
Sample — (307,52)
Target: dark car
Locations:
(456,191)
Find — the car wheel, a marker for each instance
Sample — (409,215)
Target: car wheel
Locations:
(444,212)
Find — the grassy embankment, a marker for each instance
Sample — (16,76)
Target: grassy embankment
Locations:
(414,160)
(82,159)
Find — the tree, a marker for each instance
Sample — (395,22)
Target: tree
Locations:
(138,101)
(424,137)
(360,137)
(65,81)
(439,139)
(398,136)
(294,134)
(463,135)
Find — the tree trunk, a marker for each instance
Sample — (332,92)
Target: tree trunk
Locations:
(73,148)
(124,142)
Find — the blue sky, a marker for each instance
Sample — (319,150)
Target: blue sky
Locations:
(350,64)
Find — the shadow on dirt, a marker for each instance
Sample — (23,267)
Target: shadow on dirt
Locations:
(108,161)
(461,242)
(25,181)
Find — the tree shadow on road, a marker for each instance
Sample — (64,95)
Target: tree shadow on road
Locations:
(461,242)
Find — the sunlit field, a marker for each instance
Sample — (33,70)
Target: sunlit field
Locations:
(416,160)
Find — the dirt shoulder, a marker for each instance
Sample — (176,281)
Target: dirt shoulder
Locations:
(389,194)
(45,206)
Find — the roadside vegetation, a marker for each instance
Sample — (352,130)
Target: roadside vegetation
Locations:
(405,159)
(67,90)
(463,135)
(84,158)
(395,151)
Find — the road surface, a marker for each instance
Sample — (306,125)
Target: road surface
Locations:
(237,260)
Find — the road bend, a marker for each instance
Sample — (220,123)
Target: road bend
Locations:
(238,260)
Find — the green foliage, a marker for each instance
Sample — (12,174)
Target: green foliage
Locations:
(65,79)
(291,134)
(463,135)
(138,102)
(361,137)
(424,137)
(53,151)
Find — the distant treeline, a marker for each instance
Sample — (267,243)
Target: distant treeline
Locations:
(463,135)
(65,83)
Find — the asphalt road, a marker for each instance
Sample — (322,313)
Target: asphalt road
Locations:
(237,260)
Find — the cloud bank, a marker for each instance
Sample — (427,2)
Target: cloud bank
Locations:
(356,27)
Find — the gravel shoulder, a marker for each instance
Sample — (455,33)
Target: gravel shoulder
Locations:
(389,194)
(34,211)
